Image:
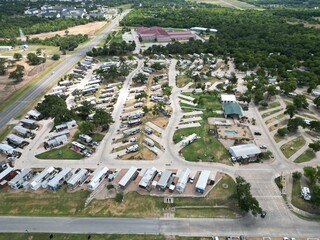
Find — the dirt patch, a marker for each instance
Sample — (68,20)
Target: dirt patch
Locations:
(7,87)
(160,121)
(144,154)
(90,29)
(306,24)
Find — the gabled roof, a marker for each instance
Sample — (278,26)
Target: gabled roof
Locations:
(244,150)
(232,108)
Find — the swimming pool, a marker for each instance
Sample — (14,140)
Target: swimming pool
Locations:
(231,131)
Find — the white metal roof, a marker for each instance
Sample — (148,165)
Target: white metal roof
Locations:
(20,176)
(127,177)
(27,121)
(183,179)
(76,177)
(163,181)
(203,179)
(53,182)
(228,98)
(41,175)
(15,138)
(57,134)
(34,113)
(6,148)
(21,129)
(147,176)
(5,172)
(244,150)
(56,141)
(96,177)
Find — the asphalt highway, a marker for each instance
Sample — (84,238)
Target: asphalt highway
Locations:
(11,111)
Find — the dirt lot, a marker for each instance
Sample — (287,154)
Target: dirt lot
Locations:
(89,29)
(7,88)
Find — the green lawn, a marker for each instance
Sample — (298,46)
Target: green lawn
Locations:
(60,153)
(204,213)
(63,203)
(183,80)
(299,202)
(308,155)
(5,131)
(267,114)
(49,50)
(207,101)
(270,106)
(277,138)
(278,125)
(291,147)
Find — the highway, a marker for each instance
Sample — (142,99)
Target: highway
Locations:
(18,106)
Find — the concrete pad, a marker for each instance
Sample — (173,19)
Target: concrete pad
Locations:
(190,125)
(188,103)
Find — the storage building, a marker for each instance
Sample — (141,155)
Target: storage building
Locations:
(183,179)
(148,177)
(21,178)
(202,181)
(78,178)
(55,183)
(131,174)
(36,182)
(98,176)
(245,152)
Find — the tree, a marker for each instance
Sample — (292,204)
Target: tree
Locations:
(84,110)
(297,175)
(17,56)
(272,91)
(55,57)
(316,101)
(34,59)
(247,202)
(233,78)
(294,123)
(17,74)
(140,78)
(119,197)
(288,86)
(102,119)
(311,173)
(282,131)
(300,101)
(291,110)
(315,146)
(86,127)
(2,66)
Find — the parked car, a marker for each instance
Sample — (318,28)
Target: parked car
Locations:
(263,214)
(258,133)
(228,238)
(125,140)
(242,237)
(215,238)
(263,147)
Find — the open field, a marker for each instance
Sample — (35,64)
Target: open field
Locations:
(60,153)
(290,148)
(308,155)
(229,3)
(89,29)
(183,80)
(48,50)
(63,203)
(299,202)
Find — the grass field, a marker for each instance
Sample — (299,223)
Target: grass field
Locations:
(308,155)
(270,106)
(32,48)
(277,138)
(183,80)
(63,203)
(229,3)
(299,202)
(267,114)
(5,131)
(278,125)
(61,153)
(291,147)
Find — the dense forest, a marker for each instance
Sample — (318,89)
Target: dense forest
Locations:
(253,38)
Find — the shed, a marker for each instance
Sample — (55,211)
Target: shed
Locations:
(245,152)
(202,181)
(36,182)
(148,177)
(98,177)
(232,110)
(128,177)
(19,179)
(183,179)
(77,178)
(55,183)
(163,181)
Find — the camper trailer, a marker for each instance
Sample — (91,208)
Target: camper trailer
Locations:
(98,176)
(132,148)
(189,139)
(131,131)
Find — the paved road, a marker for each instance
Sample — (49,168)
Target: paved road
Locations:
(18,106)
(248,226)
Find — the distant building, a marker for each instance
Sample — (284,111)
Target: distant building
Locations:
(228,98)
(160,35)
(245,152)
(202,29)
(232,110)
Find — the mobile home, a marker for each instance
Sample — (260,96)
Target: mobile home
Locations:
(78,178)
(183,179)
(55,183)
(21,178)
(131,174)
(163,181)
(202,181)
(98,176)
(148,177)
(36,182)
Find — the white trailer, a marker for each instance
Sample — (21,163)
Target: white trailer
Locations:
(98,176)
(7,149)
(59,88)
(78,178)
(36,182)
(132,148)
(202,181)
(21,178)
(155,87)
(148,142)
(138,104)
(148,177)
(131,174)
(135,115)
(189,139)
(23,132)
(183,179)
(131,131)
(55,183)
(53,135)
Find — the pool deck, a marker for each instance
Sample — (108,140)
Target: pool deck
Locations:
(242,132)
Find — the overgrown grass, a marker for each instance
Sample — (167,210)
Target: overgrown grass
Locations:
(183,80)
(278,125)
(5,131)
(63,203)
(308,155)
(267,114)
(217,212)
(277,138)
(61,153)
(291,147)
(299,202)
